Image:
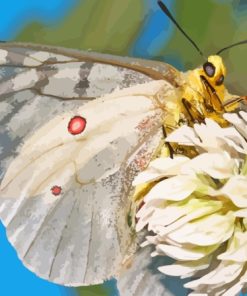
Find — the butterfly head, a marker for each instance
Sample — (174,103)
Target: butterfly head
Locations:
(214,70)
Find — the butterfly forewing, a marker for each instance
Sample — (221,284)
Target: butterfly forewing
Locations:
(61,78)
(71,74)
(64,196)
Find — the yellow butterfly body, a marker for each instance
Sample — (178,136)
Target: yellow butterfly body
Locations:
(199,96)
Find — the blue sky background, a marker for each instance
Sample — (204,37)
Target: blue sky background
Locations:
(15,279)
(156,30)
(15,14)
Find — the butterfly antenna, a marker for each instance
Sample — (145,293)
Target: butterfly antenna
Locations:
(230,46)
(167,12)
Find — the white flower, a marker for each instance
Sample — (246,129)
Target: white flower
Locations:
(196,209)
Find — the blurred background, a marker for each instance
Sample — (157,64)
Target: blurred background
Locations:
(128,28)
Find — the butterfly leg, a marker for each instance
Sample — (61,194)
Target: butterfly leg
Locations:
(214,103)
(168,145)
(194,114)
(232,104)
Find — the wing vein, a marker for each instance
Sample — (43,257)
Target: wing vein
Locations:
(50,212)
(89,243)
(61,237)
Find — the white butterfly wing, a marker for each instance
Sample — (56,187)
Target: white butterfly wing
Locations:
(69,76)
(80,236)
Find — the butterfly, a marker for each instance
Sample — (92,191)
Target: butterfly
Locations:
(76,128)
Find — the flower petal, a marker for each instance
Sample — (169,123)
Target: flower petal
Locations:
(216,138)
(184,135)
(211,137)
(234,290)
(167,215)
(234,140)
(236,190)
(238,122)
(216,165)
(145,212)
(241,213)
(225,272)
(193,209)
(243,114)
(208,133)
(185,268)
(173,212)
(174,188)
(159,168)
(184,254)
(237,247)
(209,230)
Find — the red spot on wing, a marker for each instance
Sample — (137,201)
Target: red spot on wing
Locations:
(56,190)
(77,125)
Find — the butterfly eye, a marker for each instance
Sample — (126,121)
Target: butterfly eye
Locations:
(209,69)
(220,80)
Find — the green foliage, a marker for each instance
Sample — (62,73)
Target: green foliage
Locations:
(212,25)
(111,26)
(104,26)
(97,290)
